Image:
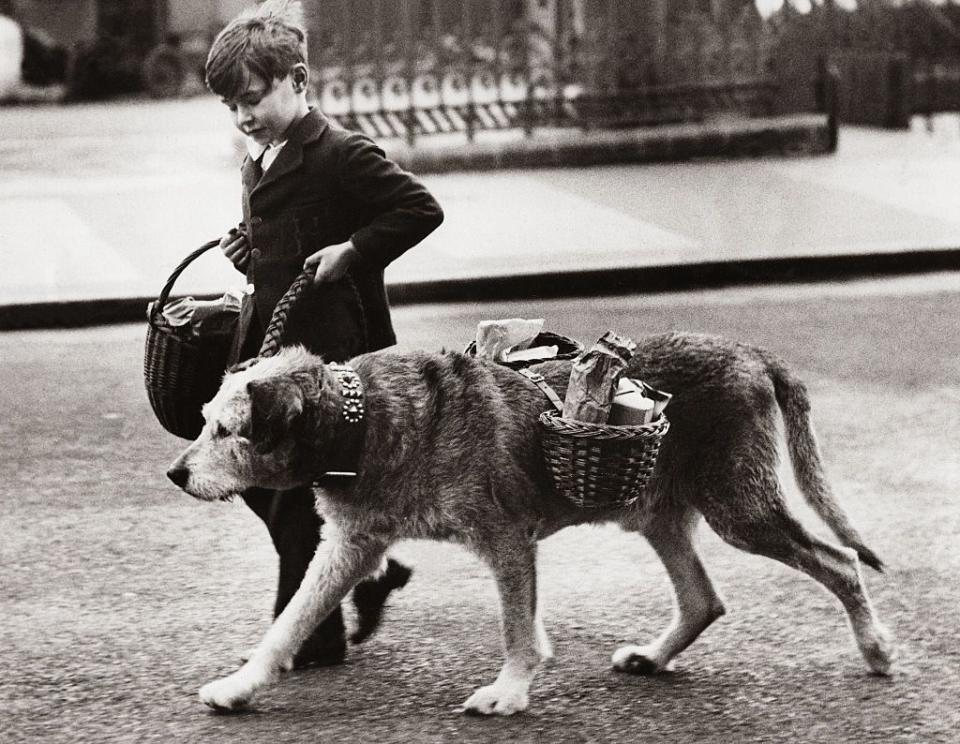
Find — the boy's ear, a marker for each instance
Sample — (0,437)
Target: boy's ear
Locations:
(300,75)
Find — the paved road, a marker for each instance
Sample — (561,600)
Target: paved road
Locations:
(103,200)
(120,596)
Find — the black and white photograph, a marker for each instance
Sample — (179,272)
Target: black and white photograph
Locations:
(479,371)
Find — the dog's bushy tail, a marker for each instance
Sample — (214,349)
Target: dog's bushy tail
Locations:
(807,463)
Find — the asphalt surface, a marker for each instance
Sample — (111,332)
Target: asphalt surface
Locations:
(121,596)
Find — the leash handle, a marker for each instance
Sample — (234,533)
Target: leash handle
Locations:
(273,338)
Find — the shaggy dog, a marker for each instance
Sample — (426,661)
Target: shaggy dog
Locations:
(449,448)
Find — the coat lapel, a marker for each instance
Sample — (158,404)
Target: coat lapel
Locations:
(250,173)
(309,128)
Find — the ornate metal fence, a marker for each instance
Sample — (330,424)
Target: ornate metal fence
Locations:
(409,68)
(936,85)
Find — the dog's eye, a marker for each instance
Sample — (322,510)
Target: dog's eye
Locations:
(221,431)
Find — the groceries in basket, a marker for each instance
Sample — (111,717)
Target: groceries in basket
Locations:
(598,393)
(593,379)
(636,403)
(189,317)
(518,343)
(501,340)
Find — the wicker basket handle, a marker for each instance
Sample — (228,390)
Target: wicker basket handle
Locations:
(157,306)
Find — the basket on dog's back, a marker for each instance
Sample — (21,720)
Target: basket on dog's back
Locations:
(593,465)
(602,446)
(600,465)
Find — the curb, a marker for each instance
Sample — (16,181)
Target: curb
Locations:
(548,285)
(807,134)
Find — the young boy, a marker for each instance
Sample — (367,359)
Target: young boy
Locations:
(317,197)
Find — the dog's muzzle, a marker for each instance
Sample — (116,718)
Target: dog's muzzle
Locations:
(179,475)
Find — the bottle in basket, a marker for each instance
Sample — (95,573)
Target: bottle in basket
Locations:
(594,377)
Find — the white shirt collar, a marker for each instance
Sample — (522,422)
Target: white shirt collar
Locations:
(268,152)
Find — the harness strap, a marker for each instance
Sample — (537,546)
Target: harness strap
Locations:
(537,379)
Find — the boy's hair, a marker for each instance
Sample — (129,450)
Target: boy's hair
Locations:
(266,41)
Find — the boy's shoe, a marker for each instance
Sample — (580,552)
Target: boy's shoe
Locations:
(312,655)
(329,654)
(370,596)
(326,646)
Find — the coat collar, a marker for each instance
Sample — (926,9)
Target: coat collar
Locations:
(308,129)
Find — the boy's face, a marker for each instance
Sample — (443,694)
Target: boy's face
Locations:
(266,110)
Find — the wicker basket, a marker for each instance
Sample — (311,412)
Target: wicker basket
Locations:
(181,373)
(599,465)
(567,348)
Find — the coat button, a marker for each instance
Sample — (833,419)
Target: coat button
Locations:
(255,254)
(256,220)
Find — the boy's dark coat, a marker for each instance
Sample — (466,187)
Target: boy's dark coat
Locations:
(326,186)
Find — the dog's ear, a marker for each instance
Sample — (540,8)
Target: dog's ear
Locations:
(276,403)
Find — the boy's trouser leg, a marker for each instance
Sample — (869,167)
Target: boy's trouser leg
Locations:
(295,530)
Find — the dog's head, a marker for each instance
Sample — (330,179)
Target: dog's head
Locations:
(264,428)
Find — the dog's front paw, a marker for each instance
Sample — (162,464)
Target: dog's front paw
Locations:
(498,698)
(230,693)
(638,660)
(287,664)
(880,651)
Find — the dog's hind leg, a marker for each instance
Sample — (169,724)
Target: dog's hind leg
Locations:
(330,576)
(541,637)
(514,567)
(696,602)
(759,523)
(544,647)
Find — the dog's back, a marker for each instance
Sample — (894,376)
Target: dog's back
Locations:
(448,429)
(471,425)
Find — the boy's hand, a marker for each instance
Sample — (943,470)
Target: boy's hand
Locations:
(235,247)
(331,263)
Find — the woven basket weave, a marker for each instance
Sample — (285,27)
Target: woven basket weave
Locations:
(600,465)
(181,373)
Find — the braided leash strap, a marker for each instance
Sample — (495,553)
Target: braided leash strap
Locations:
(273,338)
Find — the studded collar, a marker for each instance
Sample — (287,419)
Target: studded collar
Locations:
(342,460)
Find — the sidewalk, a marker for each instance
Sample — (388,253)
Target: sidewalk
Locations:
(94,243)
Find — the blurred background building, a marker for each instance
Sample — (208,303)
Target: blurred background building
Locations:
(413,67)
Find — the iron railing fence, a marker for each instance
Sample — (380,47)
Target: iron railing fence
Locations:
(936,85)
(409,68)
